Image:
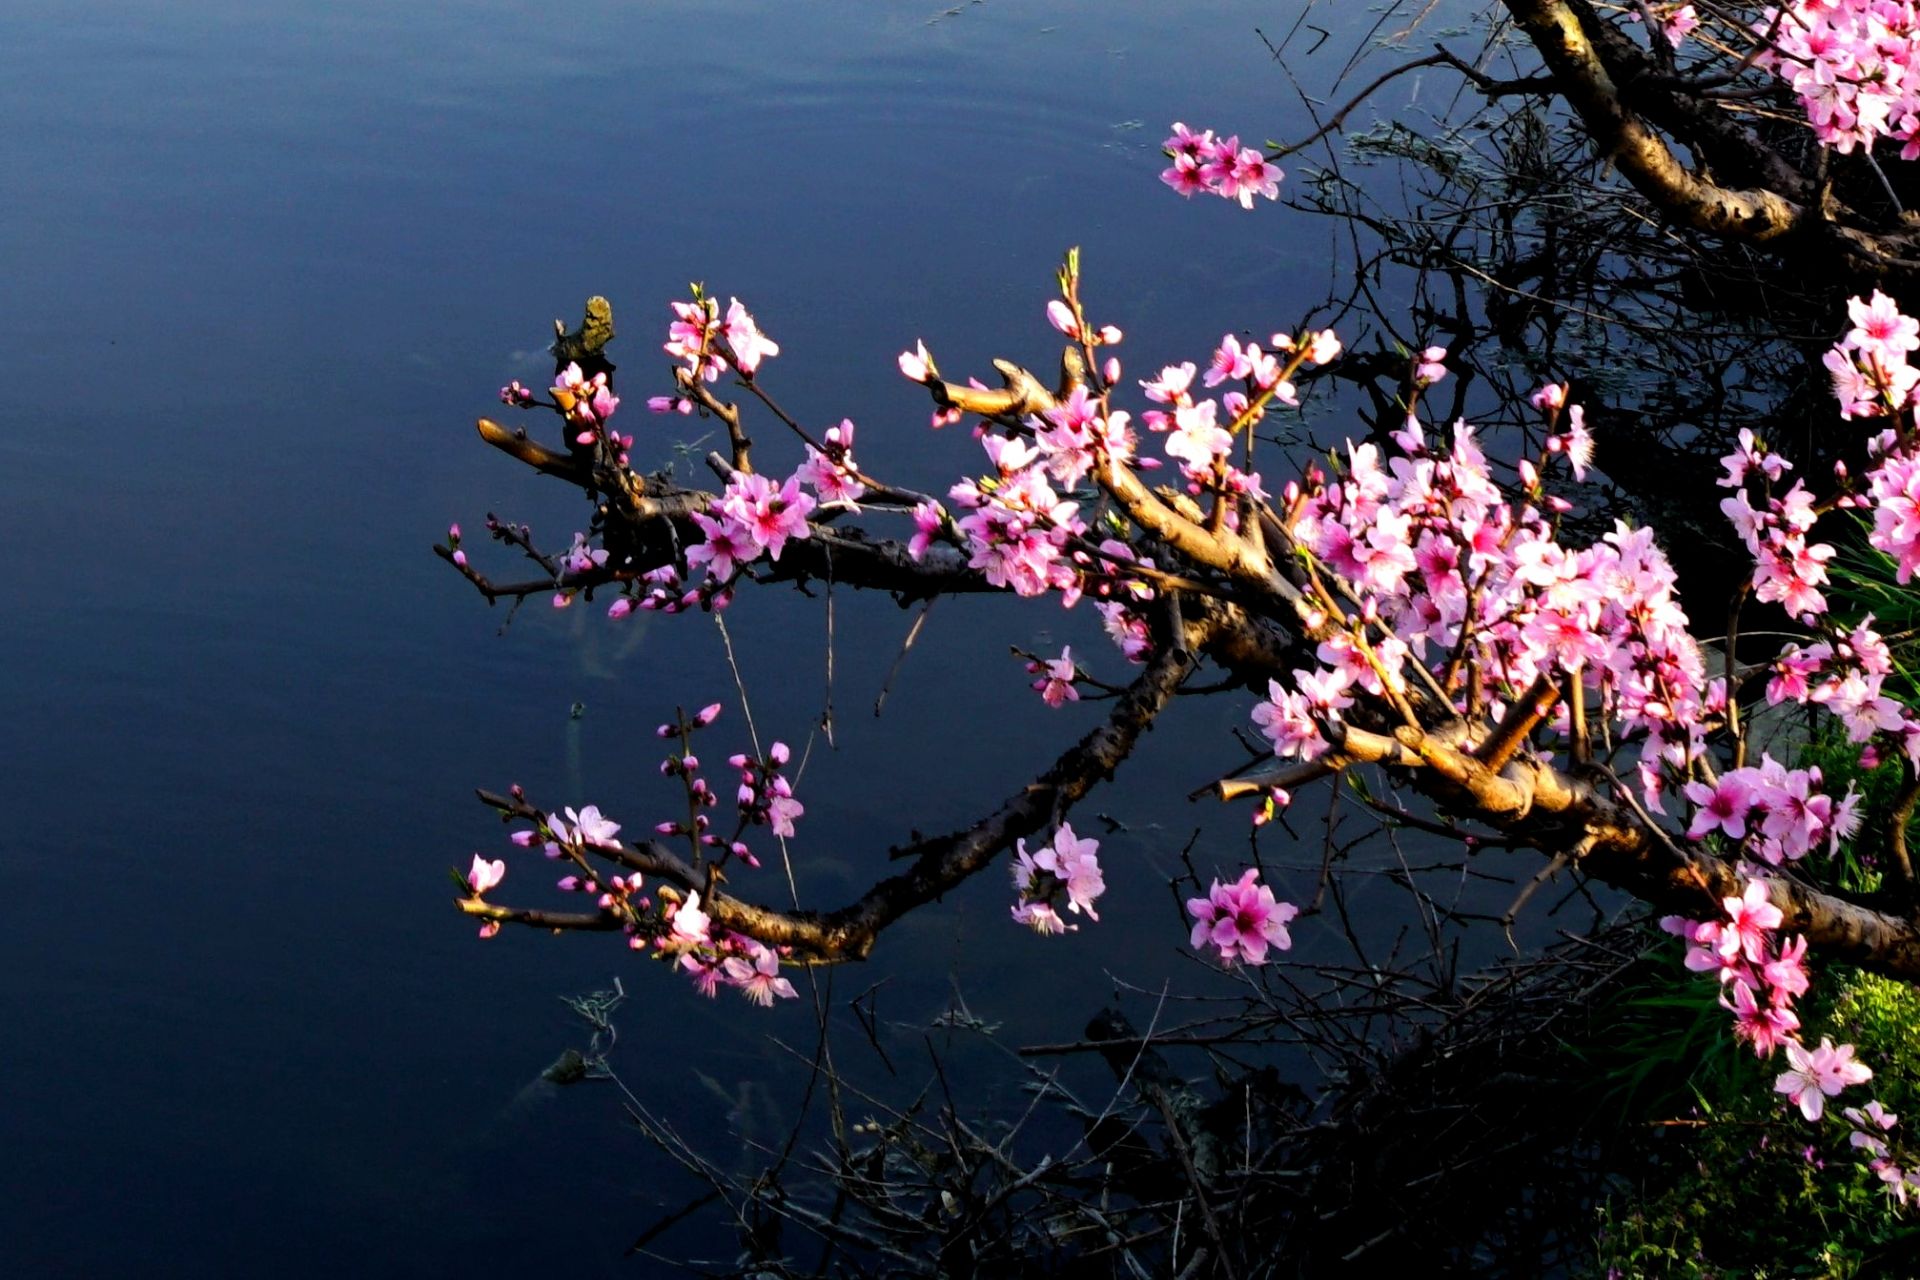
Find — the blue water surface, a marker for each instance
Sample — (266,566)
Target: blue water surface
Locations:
(263,265)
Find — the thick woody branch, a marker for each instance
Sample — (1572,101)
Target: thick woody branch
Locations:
(516,443)
(1641,154)
(1020,395)
(1562,815)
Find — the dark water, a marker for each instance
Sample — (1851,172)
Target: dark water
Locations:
(263,264)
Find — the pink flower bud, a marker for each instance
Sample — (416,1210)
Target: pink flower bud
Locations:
(569,884)
(1109,334)
(561,599)
(1060,316)
(453,533)
(523,838)
(620,608)
(488,929)
(666,731)
(1111,369)
(707,714)
(779,755)
(460,558)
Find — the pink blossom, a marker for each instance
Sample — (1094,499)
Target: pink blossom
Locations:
(589,827)
(728,545)
(708,972)
(782,808)
(690,923)
(916,364)
(1242,919)
(1074,862)
(1879,329)
(1765,1026)
(749,345)
(928,520)
(1819,1074)
(1230,362)
(484,875)
(1197,439)
(1786,973)
(769,515)
(1056,687)
(759,980)
(1722,807)
(1041,918)
(1752,917)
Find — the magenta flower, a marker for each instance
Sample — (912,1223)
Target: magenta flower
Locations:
(708,973)
(1722,807)
(759,980)
(483,875)
(1765,1026)
(782,808)
(1074,863)
(928,520)
(917,364)
(1056,686)
(1752,918)
(589,827)
(750,346)
(1242,919)
(1819,1074)
(728,545)
(1879,328)
(690,923)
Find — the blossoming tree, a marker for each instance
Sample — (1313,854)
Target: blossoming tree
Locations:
(1414,607)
